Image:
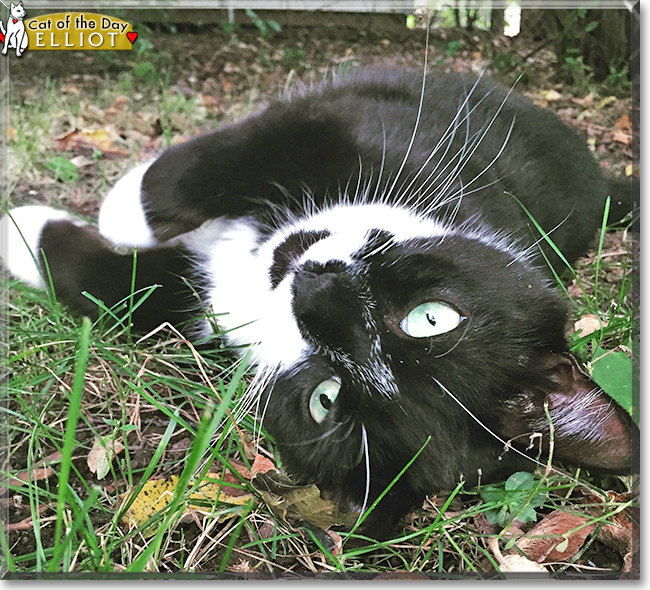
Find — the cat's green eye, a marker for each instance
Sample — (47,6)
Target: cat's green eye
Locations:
(323,397)
(430,319)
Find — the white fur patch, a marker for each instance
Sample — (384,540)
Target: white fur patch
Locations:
(253,312)
(121,217)
(22,234)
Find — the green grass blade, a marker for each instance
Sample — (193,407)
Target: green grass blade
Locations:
(74,412)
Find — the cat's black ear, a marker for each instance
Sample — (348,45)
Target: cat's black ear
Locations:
(589,428)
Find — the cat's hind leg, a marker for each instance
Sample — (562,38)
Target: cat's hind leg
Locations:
(46,247)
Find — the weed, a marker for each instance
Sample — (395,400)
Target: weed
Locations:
(516,499)
(267,28)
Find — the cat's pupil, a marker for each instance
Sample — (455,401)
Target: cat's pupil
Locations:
(432,319)
(325,401)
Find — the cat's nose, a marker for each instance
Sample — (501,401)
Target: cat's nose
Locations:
(328,306)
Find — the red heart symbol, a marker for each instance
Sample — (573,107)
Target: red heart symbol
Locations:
(132,36)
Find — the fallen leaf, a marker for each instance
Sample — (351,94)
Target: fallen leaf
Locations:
(513,562)
(81,161)
(33,475)
(588,324)
(62,125)
(584,102)
(241,469)
(624,123)
(101,455)
(155,495)
(557,537)
(69,89)
(338,542)
(262,465)
(605,101)
(292,502)
(622,136)
(552,95)
(617,532)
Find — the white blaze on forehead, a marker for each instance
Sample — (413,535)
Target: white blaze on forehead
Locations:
(349,227)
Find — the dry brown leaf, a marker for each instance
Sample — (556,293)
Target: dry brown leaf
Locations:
(338,542)
(87,141)
(584,102)
(617,532)
(101,455)
(144,122)
(262,465)
(588,324)
(33,475)
(62,125)
(241,469)
(69,89)
(624,123)
(557,537)
(622,136)
(513,562)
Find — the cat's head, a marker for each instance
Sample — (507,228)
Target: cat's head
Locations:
(414,334)
(17,10)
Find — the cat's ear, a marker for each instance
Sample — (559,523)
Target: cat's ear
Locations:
(589,428)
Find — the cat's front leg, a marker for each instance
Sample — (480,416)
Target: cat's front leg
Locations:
(21,43)
(266,161)
(122,218)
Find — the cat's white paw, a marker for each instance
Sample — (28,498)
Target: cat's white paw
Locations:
(121,217)
(21,229)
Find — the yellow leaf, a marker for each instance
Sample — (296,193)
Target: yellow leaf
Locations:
(605,101)
(552,95)
(156,495)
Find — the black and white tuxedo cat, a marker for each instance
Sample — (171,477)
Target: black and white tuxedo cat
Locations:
(372,240)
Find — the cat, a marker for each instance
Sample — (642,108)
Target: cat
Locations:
(372,240)
(15,37)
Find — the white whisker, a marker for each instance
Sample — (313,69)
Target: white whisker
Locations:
(506,444)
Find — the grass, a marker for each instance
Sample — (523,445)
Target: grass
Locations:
(71,382)
(67,383)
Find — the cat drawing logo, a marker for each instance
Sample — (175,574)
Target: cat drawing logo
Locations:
(15,35)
